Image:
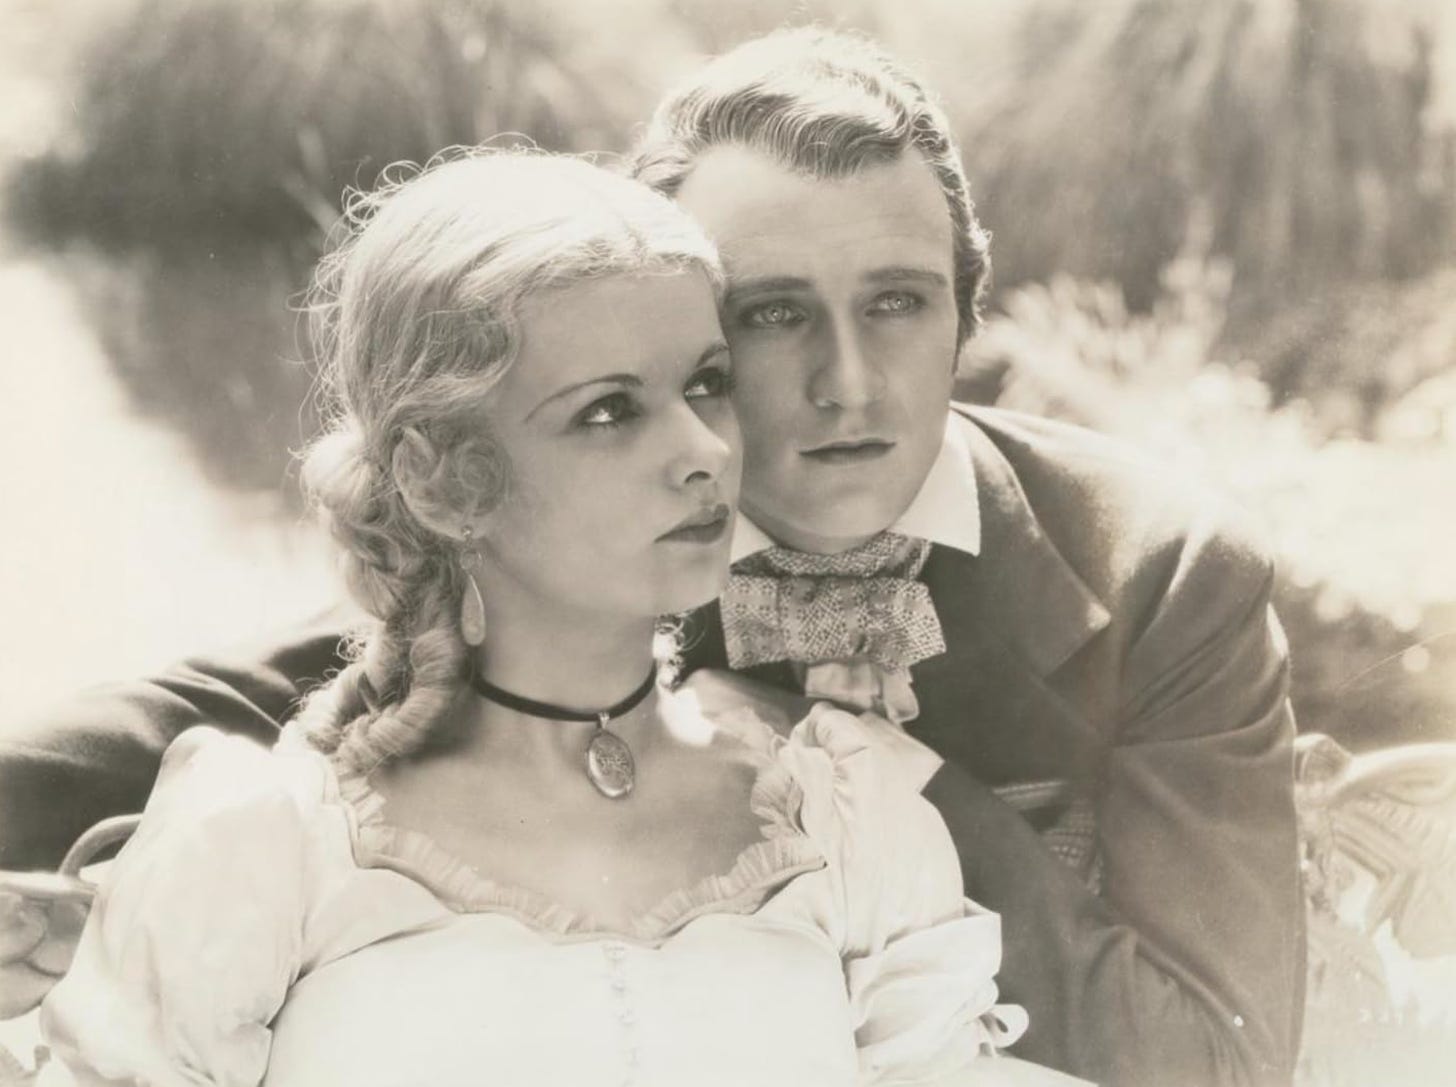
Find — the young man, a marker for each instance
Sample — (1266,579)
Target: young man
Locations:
(1034,605)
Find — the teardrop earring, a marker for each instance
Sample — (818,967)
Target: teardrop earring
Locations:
(472,607)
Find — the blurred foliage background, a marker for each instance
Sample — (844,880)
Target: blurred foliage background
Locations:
(1224,230)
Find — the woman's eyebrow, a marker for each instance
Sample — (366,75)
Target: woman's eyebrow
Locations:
(711,352)
(629,380)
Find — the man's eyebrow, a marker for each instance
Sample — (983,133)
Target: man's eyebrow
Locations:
(629,380)
(904,273)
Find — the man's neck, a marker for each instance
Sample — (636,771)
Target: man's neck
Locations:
(785,535)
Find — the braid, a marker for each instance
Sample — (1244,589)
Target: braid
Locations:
(433,672)
(410,664)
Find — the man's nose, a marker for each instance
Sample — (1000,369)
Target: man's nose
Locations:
(847,374)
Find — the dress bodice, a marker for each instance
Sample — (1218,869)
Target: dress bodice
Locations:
(267,923)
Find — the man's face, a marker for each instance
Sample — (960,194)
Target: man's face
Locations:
(841,318)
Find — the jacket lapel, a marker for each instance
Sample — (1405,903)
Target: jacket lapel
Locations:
(1011,616)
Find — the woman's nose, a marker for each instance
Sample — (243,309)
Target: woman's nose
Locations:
(702,453)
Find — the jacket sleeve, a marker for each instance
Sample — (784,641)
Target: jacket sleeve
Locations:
(1188,967)
(97,754)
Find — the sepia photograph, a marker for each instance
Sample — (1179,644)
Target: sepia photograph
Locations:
(684,543)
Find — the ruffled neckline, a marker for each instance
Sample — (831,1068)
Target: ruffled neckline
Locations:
(783,852)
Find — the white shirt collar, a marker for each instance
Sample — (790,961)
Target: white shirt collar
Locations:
(946,510)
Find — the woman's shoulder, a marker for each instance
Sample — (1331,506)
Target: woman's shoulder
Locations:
(887,844)
(847,778)
(843,762)
(225,809)
(208,777)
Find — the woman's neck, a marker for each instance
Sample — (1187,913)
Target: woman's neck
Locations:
(580,662)
(573,666)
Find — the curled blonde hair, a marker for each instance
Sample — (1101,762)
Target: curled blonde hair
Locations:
(414,316)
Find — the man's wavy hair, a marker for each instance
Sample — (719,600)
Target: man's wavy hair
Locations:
(825,104)
(415,320)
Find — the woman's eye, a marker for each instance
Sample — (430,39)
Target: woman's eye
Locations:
(714,382)
(609,411)
(772,315)
(897,303)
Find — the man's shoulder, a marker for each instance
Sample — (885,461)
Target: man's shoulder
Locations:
(1120,517)
(1058,459)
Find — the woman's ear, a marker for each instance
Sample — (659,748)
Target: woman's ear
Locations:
(425,485)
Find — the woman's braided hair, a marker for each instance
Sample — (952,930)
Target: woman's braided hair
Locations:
(414,320)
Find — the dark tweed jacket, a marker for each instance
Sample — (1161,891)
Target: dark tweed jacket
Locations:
(1115,631)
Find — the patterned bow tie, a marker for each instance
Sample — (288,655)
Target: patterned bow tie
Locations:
(783,605)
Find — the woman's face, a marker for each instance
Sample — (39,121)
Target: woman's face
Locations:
(624,450)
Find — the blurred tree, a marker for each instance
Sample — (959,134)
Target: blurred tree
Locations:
(717,27)
(211,140)
(228,119)
(1298,138)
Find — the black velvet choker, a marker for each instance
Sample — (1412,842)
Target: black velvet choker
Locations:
(609,763)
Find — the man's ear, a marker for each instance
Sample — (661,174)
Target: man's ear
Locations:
(426,485)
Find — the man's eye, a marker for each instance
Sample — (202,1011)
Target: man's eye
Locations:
(713,382)
(609,411)
(772,315)
(897,303)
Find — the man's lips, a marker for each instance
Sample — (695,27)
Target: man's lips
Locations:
(853,451)
(705,526)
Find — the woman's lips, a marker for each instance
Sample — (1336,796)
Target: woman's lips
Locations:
(855,452)
(706,526)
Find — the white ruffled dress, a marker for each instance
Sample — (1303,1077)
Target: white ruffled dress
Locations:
(268,925)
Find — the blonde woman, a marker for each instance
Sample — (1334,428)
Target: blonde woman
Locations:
(495,848)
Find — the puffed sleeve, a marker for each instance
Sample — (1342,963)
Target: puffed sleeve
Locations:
(919,958)
(196,933)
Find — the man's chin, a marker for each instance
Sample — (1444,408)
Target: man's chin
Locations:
(837,530)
